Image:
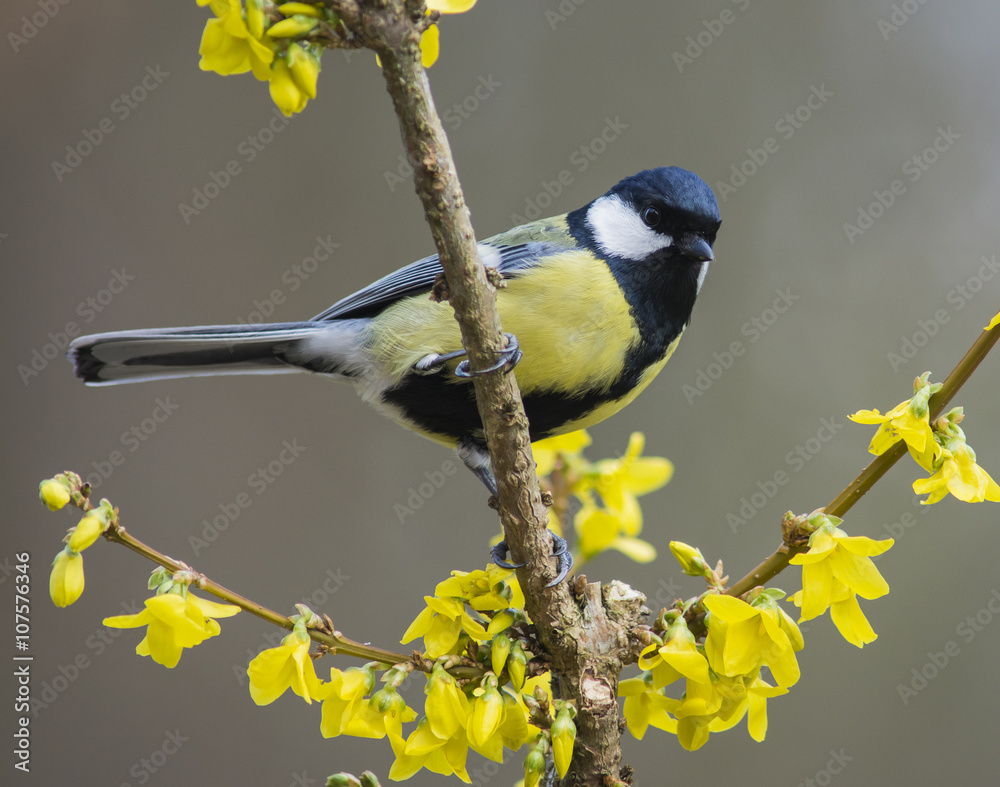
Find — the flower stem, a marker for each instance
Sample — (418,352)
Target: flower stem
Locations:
(775,563)
(336,642)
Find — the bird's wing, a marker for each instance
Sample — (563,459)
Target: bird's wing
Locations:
(510,253)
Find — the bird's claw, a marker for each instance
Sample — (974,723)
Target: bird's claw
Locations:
(560,550)
(508,357)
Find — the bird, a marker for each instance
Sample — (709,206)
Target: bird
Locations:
(593,301)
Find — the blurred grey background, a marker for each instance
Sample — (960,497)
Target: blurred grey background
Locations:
(800,116)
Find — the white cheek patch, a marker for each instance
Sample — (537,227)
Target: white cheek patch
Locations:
(701,276)
(620,232)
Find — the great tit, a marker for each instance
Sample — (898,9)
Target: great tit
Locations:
(595,300)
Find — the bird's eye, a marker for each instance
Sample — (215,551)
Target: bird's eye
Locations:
(651,216)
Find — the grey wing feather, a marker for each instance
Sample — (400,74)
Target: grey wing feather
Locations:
(419,276)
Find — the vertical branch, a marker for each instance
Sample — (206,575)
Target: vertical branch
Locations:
(586,639)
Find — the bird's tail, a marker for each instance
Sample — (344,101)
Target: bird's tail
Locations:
(161,353)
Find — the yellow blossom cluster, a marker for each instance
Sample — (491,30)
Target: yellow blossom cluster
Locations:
(280,43)
(609,515)
(939,448)
(467,622)
(66,581)
(722,675)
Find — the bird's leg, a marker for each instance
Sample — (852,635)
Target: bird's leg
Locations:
(475,457)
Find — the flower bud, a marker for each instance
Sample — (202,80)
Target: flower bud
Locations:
(342,780)
(66,580)
(293,26)
(534,766)
(86,532)
(516,662)
(692,561)
(499,651)
(291,9)
(563,735)
(54,492)
(305,69)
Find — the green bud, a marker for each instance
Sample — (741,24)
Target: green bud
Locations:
(369,779)
(342,780)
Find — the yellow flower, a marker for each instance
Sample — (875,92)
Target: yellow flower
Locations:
(304,65)
(293,26)
(493,589)
(908,421)
(645,706)
(488,713)
(54,492)
(228,47)
(837,568)
(744,637)
(620,482)
(450,6)
(86,532)
(678,657)
(345,710)
(287,666)
(958,474)
(66,580)
(569,446)
(175,620)
(440,741)
(721,706)
(563,737)
(423,749)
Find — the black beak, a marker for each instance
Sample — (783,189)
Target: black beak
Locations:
(696,248)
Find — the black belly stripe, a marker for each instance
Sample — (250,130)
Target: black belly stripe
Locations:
(437,404)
